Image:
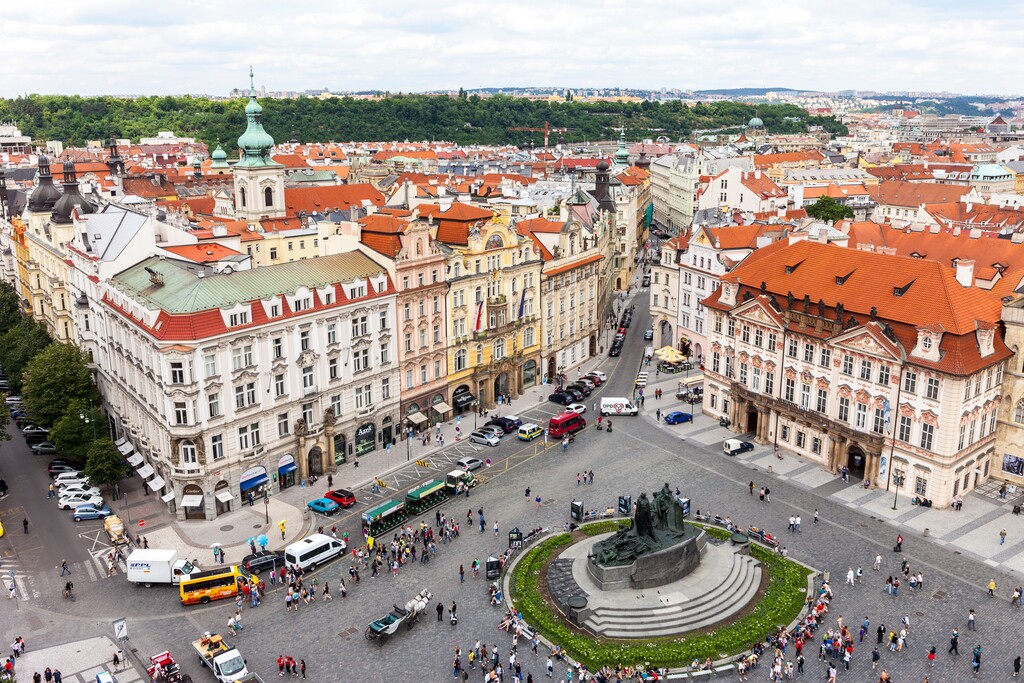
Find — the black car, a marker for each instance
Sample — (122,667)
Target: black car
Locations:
(576,394)
(36,437)
(615,350)
(264,559)
(561,398)
(582,388)
(507,424)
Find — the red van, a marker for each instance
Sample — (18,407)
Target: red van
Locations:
(566,423)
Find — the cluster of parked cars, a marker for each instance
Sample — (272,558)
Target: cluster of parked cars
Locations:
(332,501)
(573,394)
(75,492)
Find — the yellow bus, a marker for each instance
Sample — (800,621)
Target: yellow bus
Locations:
(214,584)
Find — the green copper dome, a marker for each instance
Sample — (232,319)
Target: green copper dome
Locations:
(219,154)
(622,154)
(255,142)
(755,123)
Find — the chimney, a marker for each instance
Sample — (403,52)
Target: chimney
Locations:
(757,174)
(965,272)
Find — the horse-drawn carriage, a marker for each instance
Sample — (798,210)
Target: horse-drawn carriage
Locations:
(381,629)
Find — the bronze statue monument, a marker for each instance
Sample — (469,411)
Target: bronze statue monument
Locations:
(657,525)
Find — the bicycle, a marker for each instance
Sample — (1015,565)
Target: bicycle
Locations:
(69,594)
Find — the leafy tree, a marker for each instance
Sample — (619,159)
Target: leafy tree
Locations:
(103,464)
(10,308)
(828,209)
(18,346)
(72,435)
(54,378)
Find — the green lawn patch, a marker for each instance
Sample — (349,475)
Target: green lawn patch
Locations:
(781,604)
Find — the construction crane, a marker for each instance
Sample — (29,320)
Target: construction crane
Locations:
(547,130)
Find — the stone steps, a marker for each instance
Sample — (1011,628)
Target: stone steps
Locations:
(717,602)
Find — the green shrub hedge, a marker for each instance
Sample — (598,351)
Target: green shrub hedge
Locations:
(781,604)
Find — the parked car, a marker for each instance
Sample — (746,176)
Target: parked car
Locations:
(484,438)
(72,489)
(678,417)
(581,388)
(469,464)
(72,502)
(508,423)
(59,469)
(561,398)
(32,439)
(577,408)
(530,431)
(598,374)
(342,497)
(324,506)
(615,350)
(587,382)
(44,448)
(493,429)
(575,392)
(264,559)
(649,334)
(594,379)
(736,446)
(32,429)
(91,512)
(646,282)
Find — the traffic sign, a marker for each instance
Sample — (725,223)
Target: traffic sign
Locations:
(142,523)
(121,628)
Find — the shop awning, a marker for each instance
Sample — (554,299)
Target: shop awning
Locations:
(462,400)
(146,471)
(418,417)
(441,407)
(286,469)
(254,482)
(156,483)
(191,500)
(225,496)
(167,497)
(135,459)
(121,441)
(126,448)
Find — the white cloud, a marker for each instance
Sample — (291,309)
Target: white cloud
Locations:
(126,47)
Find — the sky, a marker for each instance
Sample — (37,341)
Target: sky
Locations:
(176,46)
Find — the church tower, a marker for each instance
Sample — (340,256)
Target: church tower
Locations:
(259,181)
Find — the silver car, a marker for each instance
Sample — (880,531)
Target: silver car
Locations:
(73,501)
(484,438)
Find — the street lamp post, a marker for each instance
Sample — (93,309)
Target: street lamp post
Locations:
(408,441)
(897,482)
(266,505)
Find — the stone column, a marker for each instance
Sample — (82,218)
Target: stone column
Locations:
(834,455)
(328,464)
(300,457)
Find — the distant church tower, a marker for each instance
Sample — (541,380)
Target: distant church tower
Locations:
(259,181)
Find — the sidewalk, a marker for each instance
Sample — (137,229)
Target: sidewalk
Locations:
(79,661)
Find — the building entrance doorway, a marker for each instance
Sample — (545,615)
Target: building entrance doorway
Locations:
(856,461)
(752,419)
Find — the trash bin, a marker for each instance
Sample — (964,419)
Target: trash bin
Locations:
(493,568)
(826,575)
(927,532)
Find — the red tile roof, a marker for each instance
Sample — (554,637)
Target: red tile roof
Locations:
(290,161)
(453,223)
(380,232)
(764,161)
(898,193)
(330,197)
(738,236)
(593,258)
(203,253)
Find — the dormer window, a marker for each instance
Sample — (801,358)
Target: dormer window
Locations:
(926,343)
(236,319)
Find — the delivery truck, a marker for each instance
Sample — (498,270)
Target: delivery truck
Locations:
(226,663)
(154,565)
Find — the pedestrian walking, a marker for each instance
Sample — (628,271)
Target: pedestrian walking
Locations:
(495,529)
(1002,536)
(751,488)
(815,515)
(440,611)
(302,667)
(878,563)
(954,642)
(850,577)
(992,588)
(971,625)
(976,658)
(931,656)
(462,574)
(1016,666)
(64,568)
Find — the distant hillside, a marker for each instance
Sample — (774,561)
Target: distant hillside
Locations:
(464,120)
(744,92)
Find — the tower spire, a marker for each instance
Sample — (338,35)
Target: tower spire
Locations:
(252,83)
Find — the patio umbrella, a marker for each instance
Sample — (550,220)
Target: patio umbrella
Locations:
(215,545)
(262,540)
(669,354)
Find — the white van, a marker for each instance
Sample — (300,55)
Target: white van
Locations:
(611,405)
(312,551)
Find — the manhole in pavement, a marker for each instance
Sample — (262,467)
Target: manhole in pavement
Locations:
(348,633)
(227,527)
(939,595)
(257,526)
(919,614)
(549,501)
(956,552)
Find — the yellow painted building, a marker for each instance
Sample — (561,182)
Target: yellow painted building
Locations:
(493,297)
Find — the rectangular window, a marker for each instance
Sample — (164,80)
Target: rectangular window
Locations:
(920,486)
(279,385)
(217,446)
(277,347)
(884,374)
(862,416)
(844,409)
(808,353)
(963,438)
(910,382)
(437,369)
(364,396)
(878,425)
(805,396)
(758,338)
(743,373)
(822,404)
(239,397)
(304,340)
(307,378)
(847,365)
(180,413)
(816,445)
(791,348)
(771,341)
(307,413)
(927,436)
(825,359)
(282,424)
(385,355)
(718,324)
(213,402)
(744,333)
(800,439)
(336,405)
(332,333)
(236,319)
(785,433)
(731,328)
(904,429)
(243,438)
(360,327)
(423,374)
(790,389)
(755,379)
(332,368)
(932,388)
(865,370)
(383,320)
(769,383)
(716,361)
(361,360)
(406,312)
(210,363)
(408,342)
(408,379)
(385,387)
(177,373)
(236,359)
(254,434)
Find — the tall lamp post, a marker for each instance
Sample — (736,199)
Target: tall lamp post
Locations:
(897,482)
(84,417)
(408,440)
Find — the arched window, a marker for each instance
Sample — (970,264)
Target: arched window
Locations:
(188,454)
(499,349)
(479,354)
(1018,414)
(268,196)
(241,195)
(460,360)
(528,337)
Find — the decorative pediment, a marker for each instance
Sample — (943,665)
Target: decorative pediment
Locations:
(769,366)
(307,359)
(845,390)
(907,410)
(790,373)
(864,341)
(758,310)
(930,418)
(806,376)
(247,373)
(822,383)
(863,396)
(744,356)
